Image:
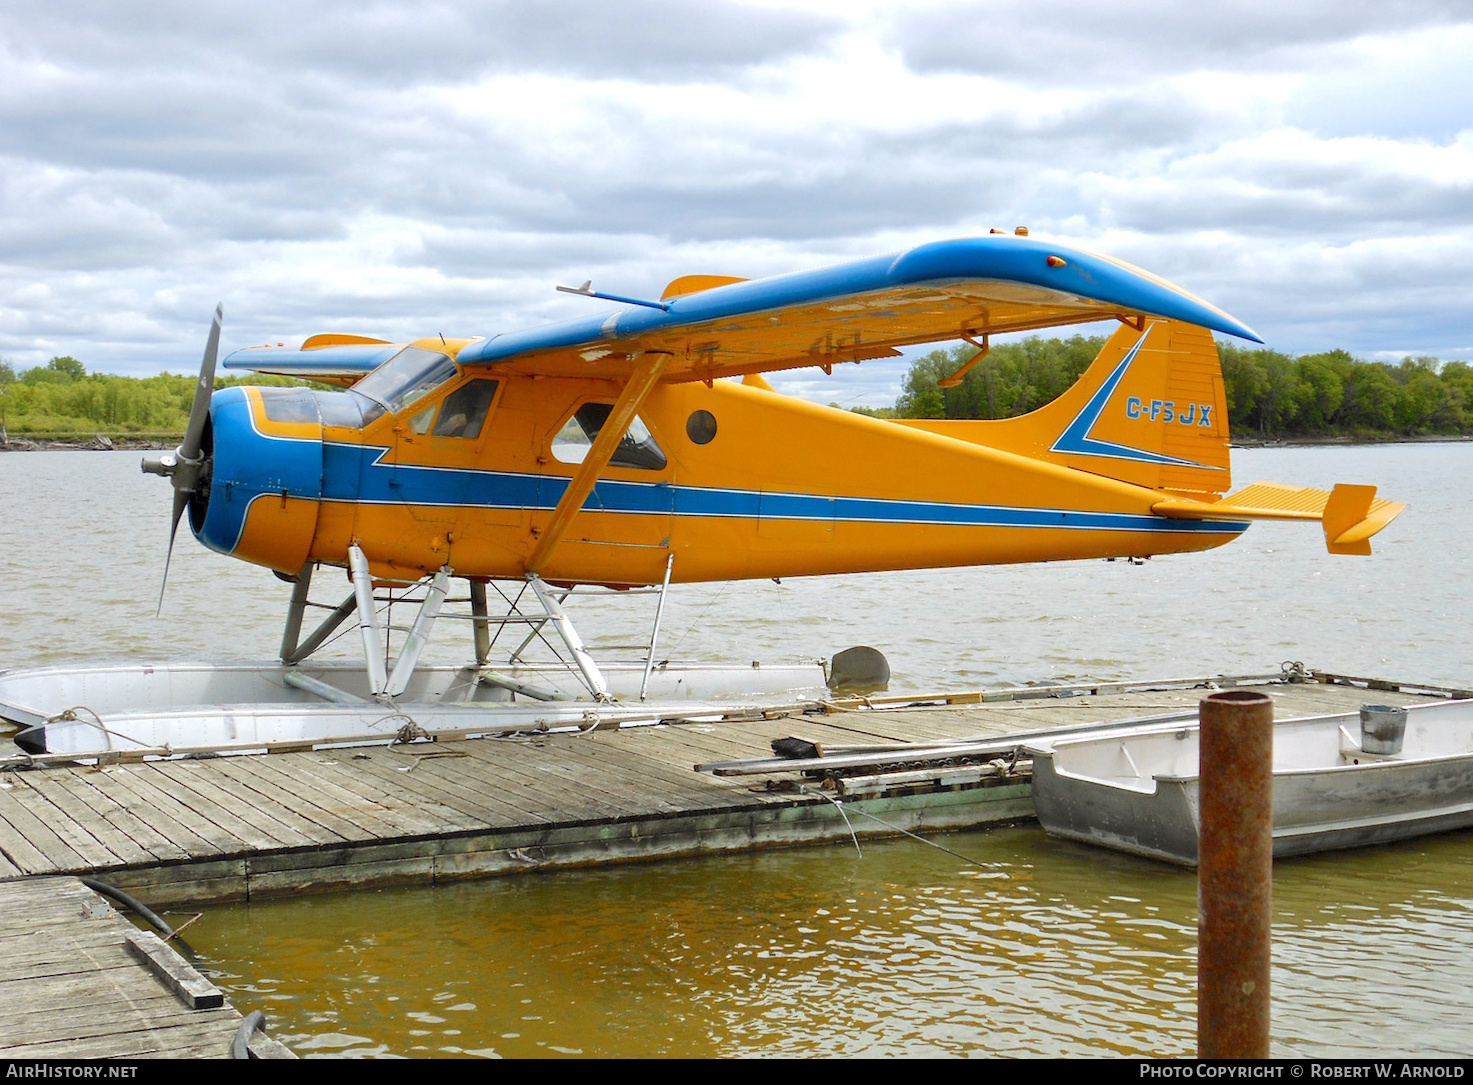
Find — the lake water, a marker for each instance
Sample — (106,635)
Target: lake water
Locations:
(1026,947)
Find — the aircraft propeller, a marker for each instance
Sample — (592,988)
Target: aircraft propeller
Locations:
(185,465)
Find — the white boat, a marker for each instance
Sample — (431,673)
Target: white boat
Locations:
(1338,782)
(173,709)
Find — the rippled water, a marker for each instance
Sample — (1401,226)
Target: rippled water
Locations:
(1036,948)
(82,538)
(1042,949)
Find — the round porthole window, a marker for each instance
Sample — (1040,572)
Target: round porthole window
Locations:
(700,427)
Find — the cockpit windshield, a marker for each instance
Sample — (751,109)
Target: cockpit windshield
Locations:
(404,378)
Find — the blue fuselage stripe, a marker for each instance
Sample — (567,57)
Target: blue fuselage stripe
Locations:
(354,473)
(259,465)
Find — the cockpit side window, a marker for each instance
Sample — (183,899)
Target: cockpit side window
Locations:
(464,411)
(638,448)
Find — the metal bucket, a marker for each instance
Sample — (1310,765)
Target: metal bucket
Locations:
(1382,728)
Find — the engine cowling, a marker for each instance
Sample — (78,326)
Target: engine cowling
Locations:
(261,486)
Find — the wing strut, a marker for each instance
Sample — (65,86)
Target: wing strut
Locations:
(641,382)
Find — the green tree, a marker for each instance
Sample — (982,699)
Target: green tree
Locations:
(1244,381)
(1321,389)
(7,378)
(68,366)
(1013,378)
(920,396)
(1370,404)
(62,369)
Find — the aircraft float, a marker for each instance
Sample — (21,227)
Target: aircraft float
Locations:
(643,446)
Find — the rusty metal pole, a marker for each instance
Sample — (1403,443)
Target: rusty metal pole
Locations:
(1234,875)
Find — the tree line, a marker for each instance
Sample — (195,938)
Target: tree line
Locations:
(61,400)
(1270,395)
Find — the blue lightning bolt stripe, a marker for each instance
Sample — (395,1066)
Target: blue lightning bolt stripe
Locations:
(1076,437)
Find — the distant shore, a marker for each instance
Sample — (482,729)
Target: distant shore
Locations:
(115,442)
(99,442)
(1320,442)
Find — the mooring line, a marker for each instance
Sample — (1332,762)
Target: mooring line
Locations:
(842,813)
(895,828)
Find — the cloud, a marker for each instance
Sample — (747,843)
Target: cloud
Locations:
(397,168)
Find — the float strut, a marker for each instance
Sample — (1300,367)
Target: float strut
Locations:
(649,662)
(481,621)
(592,677)
(419,632)
(373,648)
(329,625)
(293,631)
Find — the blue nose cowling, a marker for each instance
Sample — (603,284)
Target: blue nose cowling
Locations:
(253,473)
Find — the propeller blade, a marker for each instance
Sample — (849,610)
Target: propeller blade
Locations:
(183,467)
(181,501)
(199,410)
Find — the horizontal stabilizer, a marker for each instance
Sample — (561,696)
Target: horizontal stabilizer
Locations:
(1350,514)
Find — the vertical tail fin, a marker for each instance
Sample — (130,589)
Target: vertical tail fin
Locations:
(1151,410)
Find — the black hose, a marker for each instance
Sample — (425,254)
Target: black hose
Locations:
(141,910)
(240,1047)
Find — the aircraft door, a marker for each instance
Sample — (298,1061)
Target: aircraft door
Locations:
(629,513)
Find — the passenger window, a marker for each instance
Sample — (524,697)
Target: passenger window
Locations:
(464,411)
(638,448)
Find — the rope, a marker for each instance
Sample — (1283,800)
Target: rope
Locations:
(698,619)
(409,733)
(839,807)
(894,828)
(71,716)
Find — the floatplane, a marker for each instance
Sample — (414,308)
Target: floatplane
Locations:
(643,447)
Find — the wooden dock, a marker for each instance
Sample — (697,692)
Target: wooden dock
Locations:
(250,827)
(81,982)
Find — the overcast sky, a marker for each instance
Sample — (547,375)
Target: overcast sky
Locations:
(403,169)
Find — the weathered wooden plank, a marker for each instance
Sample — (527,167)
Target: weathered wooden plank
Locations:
(512,775)
(188,831)
(182,884)
(131,839)
(656,784)
(192,989)
(349,817)
(472,806)
(69,988)
(402,808)
(228,778)
(593,787)
(496,787)
(215,798)
(83,829)
(345,866)
(23,837)
(52,836)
